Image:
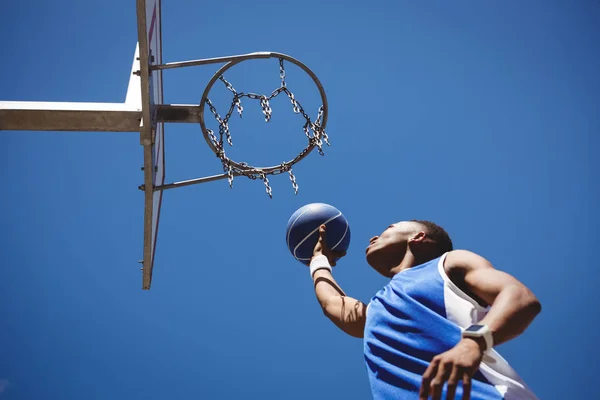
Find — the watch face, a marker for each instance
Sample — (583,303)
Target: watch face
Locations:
(473,328)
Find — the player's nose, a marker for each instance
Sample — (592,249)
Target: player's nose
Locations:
(374,238)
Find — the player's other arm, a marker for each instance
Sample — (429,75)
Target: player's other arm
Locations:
(346,313)
(513,308)
(513,305)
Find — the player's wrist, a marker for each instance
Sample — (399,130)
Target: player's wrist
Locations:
(319,262)
(477,344)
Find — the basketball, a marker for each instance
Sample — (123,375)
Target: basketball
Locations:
(302,231)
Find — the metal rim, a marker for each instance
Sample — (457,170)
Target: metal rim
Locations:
(261,55)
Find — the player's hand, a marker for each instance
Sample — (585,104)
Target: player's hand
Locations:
(321,248)
(455,365)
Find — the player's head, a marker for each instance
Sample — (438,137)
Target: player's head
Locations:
(423,239)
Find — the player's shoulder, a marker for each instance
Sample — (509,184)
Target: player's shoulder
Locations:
(463,259)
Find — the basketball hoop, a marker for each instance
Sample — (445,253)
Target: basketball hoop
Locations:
(314,130)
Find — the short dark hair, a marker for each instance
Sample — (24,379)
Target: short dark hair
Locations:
(437,234)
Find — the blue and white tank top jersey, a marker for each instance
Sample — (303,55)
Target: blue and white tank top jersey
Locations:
(416,316)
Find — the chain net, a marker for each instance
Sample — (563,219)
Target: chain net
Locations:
(312,129)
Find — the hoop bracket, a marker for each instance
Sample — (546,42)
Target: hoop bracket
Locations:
(188,113)
(215,60)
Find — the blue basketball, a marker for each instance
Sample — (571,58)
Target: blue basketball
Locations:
(302,231)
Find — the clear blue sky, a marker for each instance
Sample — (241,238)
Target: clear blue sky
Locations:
(482,117)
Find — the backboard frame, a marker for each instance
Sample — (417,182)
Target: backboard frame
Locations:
(152,131)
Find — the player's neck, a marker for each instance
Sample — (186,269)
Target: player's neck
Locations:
(409,261)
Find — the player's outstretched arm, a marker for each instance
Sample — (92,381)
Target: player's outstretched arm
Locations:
(345,312)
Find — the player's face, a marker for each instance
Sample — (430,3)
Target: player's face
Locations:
(388,249)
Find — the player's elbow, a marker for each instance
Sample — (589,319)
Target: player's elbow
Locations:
(534,306)
(528,304)
(531,308)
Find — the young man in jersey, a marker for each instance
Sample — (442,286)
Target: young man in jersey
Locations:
(430,332)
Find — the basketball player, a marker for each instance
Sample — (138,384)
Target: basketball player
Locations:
(430,332)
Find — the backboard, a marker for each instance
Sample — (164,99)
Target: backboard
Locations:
(152,131)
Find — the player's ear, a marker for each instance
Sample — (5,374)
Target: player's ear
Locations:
(418,237)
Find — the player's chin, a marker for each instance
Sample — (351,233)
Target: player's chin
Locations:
(376,262)
(371,256)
